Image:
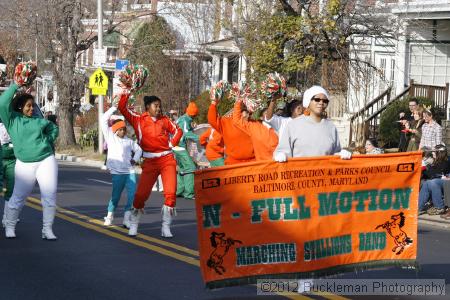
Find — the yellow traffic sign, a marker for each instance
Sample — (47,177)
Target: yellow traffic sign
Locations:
(98,82)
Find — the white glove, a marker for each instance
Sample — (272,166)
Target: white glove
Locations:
(345,154)
(280,157)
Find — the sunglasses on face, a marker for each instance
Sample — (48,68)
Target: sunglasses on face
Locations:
(325,101)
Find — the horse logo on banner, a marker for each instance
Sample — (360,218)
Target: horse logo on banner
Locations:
(221,246)
(394,228)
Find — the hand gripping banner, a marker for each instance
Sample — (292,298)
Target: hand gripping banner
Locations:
(307,218)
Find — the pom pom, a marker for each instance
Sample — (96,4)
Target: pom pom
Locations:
(250,97)
(219,90)
(274,85)
(133,77)
(25,73)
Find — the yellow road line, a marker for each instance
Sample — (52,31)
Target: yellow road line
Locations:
(118,228)
(330,296)
(183,258)
(35,203)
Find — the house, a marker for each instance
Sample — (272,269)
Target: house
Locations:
(420,52)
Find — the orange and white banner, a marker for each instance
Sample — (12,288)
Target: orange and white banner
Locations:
(306,217)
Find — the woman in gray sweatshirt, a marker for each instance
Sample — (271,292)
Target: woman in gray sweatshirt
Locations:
(310,135)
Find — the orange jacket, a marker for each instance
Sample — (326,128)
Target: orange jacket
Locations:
(152,136)
(264,139)
(213,142)
(238,146)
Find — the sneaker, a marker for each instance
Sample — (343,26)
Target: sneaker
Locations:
(435,211)
(422,212)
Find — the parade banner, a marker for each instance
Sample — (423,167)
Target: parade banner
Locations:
(307,217)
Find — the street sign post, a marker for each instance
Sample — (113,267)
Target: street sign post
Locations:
(121,64)
(99,56)
(98,82)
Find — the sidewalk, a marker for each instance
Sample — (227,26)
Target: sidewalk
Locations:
(85,162)
(434,220)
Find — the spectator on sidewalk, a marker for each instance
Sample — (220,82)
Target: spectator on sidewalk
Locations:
(431,131)
(123,153)
(371,147)
(414,130)
(433,177)
(408,117)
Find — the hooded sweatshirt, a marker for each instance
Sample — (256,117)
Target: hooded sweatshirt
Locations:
(238,146)
(120,150)
(264,138)
(33,137)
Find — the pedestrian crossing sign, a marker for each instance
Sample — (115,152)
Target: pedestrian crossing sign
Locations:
(98,82)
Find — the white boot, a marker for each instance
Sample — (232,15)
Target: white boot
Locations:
(126,219)
(11,215)
(167,215)
(108,219)
(48,216)
(134,221)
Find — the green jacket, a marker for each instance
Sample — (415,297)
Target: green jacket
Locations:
(33,138)
(185,123)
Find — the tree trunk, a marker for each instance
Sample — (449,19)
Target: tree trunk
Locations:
(65,121)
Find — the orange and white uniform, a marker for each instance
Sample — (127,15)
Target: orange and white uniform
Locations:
(238,146)
(154,137)
(213,141)
(264,138)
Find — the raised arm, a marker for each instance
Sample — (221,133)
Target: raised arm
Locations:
(105,118)
(129,115)
(214,118)
(5,103)
(269,111)
(238,121)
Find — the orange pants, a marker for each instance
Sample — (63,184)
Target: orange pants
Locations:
(151,168)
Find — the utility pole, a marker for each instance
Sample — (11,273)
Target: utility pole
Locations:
(100,97)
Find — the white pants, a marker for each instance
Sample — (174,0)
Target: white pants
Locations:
(46,174)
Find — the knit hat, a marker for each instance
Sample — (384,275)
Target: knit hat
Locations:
(192,109)
(116,126)
(311,92)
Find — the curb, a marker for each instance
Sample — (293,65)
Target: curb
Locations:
(85,162)
(76,159)
(434,220)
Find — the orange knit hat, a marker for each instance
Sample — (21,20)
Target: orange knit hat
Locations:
(192,109)
(116,126)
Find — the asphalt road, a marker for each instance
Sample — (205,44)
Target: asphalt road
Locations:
(92,262)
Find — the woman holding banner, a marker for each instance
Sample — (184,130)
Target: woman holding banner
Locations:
(312,134)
